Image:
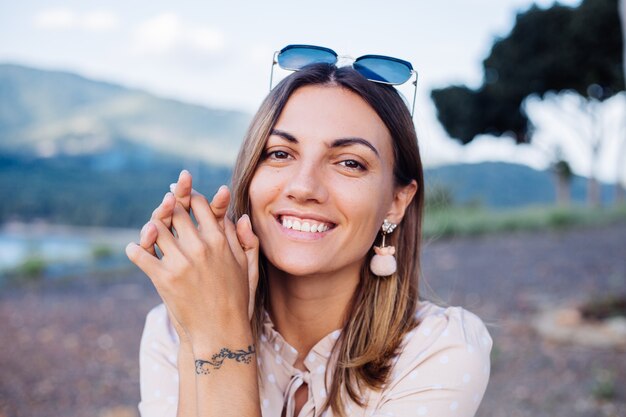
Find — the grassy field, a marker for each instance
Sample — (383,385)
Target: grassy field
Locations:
(468,220)
(439,222)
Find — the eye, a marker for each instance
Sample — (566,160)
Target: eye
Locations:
(352,164)
(277,155)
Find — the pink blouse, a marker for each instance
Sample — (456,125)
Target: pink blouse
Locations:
(442,370)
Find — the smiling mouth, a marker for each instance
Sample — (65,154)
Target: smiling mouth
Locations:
(304,225)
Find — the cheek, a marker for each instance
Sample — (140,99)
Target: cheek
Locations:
(263,188)
(364,205)
(367,198)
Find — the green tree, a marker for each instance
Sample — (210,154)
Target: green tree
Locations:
(554,49)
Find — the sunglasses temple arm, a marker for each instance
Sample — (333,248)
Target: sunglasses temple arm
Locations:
(272,70)
(414,95)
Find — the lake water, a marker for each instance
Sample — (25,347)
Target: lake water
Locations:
(59,244)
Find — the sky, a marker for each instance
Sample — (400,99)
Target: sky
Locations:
(219,54)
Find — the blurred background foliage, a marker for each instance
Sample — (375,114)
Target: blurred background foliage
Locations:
(548,50)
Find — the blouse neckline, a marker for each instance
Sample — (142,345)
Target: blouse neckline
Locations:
(320,352)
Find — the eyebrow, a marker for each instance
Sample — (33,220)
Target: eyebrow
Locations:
(334,144)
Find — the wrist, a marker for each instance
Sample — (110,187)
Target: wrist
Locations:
(210,341)
(185,346)
(225,356)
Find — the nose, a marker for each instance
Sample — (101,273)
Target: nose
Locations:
(307,183)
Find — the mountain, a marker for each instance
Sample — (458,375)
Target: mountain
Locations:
(52,113)
(84,152)
(503,185)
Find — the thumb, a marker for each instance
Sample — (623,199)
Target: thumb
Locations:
(250,243)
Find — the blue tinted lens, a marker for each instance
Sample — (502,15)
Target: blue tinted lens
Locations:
(383,69)
(294,58)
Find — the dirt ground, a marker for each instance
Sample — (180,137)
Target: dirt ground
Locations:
(72,349)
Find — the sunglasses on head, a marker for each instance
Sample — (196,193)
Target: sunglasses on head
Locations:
(377,68)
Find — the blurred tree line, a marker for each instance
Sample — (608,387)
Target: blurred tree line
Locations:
(70,190)
(556,49)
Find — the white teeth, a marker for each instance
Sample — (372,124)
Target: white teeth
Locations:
(304,226)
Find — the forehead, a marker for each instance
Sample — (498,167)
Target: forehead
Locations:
(324,113)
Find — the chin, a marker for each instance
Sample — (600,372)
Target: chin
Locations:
(296,267)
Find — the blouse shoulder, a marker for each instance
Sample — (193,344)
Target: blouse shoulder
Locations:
(447,327)
(443,365)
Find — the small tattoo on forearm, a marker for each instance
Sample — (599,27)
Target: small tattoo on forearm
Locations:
(204,367)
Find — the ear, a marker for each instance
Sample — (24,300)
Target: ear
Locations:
(402,197)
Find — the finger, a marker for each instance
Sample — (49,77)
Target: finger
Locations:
(182,189)
(150,265)
(165,210)
(165,239)
(219,204)
(148,238)
(193,190)
(249,241)
(182,223)
(163,213)
(208,221)
(233,241)
(250,244)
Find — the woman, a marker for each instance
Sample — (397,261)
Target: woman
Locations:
(329,167)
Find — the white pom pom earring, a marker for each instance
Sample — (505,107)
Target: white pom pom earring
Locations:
(384,262)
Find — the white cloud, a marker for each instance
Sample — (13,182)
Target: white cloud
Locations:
(205,39)
(492,148)
(55,19)
(564,121)
(67,19)
(158,33)
(99,20)
(165,32)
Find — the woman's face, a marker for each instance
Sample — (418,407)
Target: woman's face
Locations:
(324,184)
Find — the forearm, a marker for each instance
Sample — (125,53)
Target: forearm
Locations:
(186,382)
(226,374)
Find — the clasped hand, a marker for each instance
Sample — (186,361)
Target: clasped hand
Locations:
(208,273)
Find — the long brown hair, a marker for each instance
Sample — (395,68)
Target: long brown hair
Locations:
(382,310)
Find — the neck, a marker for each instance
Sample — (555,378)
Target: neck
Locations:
(304,309)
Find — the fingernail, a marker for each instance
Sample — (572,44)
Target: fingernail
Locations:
(184,170)
(222,187)
(246,219)
(143,229)
(130,248)
(172,186)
